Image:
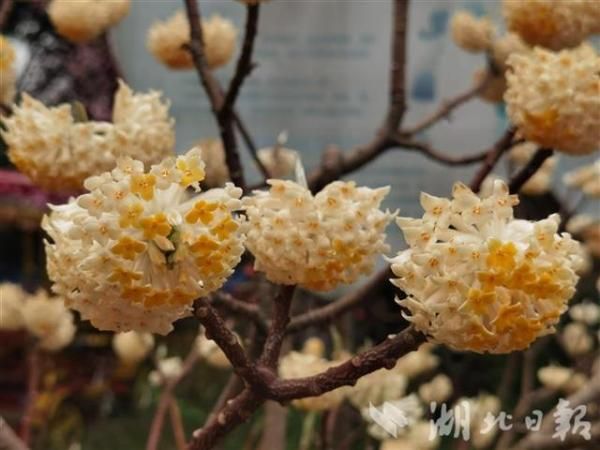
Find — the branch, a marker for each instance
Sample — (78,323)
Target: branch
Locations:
(530,169)
(492,158)
(33,381)
(448,106)
(5,10)
(177,425)
(385,354)
(398,70)
(244,63)
(431,153)
(211,86)
(333,310)
(9,439)
(229,303)
(166,399)
(277,329)
(250,144)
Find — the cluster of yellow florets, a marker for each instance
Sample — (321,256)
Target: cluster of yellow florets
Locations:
(135,252)
(554,98)
(7,71)
(555,24)
(44,317)
(166,41)
(470,33)
(316,241)
(83,20)
(58,153)
(477,279)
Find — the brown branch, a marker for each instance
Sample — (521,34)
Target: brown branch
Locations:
(431,153)
(530,169)
(492,158)
(448,106)
(215,95)
(385,354)
(165,399)
(333,310)
(244,63)
(398,69)
(252,148)
(177,425)
(277,329)
(9,439)
(229,303)
(5,10)
(33,381)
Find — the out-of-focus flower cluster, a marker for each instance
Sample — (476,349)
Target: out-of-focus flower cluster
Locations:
(555,24)
(541,181)
(59,153)
(7,71)
(586,179)
(477,279)
(42,316)
(316,241)
(134,252)
(83,20)
(167,40)
(554,98)
(132,347)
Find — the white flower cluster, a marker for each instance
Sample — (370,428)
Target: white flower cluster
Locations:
(541,181)
(132,347)
(477,408)
(554,24)
(83,20)
(7,71)
(477,279)
(167,39)
(134,252)
(44,317)
(554,98)
(585,178)
(471,33)
(562,379)
(316,241)
(58,153)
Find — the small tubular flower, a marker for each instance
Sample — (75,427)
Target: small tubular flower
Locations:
(316,241)
(134,252)
(167,39)
(49,320)
(83,20)
(132,347)
(7,71)
(555,24)
(477,279)
(585,178)
(554,98)
(57,153)
(470,33)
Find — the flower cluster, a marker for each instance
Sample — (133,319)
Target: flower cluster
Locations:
(477,279)
(585,178)
(554,98)
(58,153)
(316,241)
(83,20)
(132,347)
(554,24)
(167,39)
(213,153)
(541,181)
(134,252)
(7,72)
(470,33)
(45,318)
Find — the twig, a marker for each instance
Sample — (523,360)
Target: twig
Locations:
(503,144)
(33,381)
(397,69)
(530,169)
(447,107)
(9,439)
(228,302)
(5,10)
(166,397)
(250,144)
(177,425)
(277,329)
(215,95)
(431,153)
(333,310)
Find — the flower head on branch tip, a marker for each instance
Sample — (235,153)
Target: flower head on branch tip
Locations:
(554,98)
(317,241)
(134,252)
(167,40)
(58,153)
(471,33)
(477,279)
